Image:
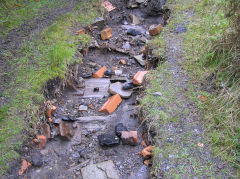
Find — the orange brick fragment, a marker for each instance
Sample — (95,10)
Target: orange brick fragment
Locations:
(51,110)
(108,6)
(155,29)
(81,31)
(100,72)
(111,104)
(144,50)
(129,137)
(138,78)
(147,152)
(146,162)
(42,141)
(24,167)
(143,144)
(106,33)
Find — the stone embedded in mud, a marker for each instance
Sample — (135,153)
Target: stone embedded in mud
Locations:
(82,108)
(121,79)
(119,128)
(106,33)
(133,32)
(135,20)
(108,140)
(155,29)
(118,72)
(139,59)
(108,73)
(116,88)
(101,170)
(129,137)
(99,22)
(126,46)
(111,105)
(47,130)
(100,72)
(68,118)
(66,130)
(138,78)
(37,159)
(127,86)
(123,62)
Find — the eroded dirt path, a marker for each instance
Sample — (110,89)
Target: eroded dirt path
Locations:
(77,153)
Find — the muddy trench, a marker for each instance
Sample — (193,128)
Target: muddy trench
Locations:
(76,147)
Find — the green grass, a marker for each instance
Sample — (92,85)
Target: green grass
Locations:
(45,57)
(14,13)
(205,54)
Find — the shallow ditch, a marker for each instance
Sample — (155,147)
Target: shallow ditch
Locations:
(66,156)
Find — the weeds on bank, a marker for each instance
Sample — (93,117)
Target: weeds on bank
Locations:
(45,57)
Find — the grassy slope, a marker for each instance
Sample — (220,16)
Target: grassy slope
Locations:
(220,111)
(45,57)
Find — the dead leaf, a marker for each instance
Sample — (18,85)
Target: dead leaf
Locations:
(202,98)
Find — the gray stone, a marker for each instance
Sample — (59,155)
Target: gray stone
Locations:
(82,108)
(139,59)
(37,159)
(126,46)
(157,94)
(135,20)
(92,119)
(116,88)
(93,43)
(99,22)
(118,72)
(140,1)
(77,138)
(102,170)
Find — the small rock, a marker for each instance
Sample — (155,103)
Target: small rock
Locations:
(133,32)
(85,75)
(68,118)
(82,108)
(127,86)
(129,137)
(170,140)
(96,89)
(75,155)
(119,128)
(93,43)
(109,73)
(123,62)
(108,140)
(116,88)
(118,72)
(66,130)
(99,22)
(155,29)
(135,20)
(139,59)
(37,159)
(140,1)
(126,46)
(157,94)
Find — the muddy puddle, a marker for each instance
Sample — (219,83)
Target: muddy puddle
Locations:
(73,149)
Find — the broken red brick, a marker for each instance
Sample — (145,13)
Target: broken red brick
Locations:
(123,62)
(25,165)
(111,104)
(144,50)
(138,78)
(81,31)
(147,152)
(143,144)
(50,110)
(155,29)
(42,141)
(47,130)
(129,137)
(108,6)
(106,33)
(100,72)
(146,162)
